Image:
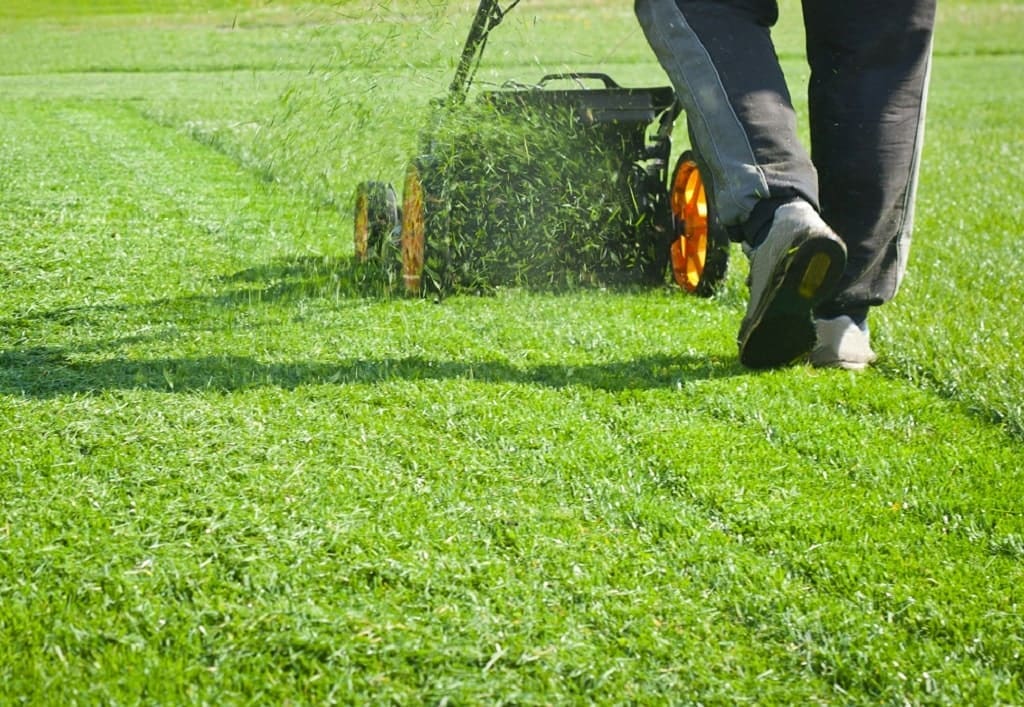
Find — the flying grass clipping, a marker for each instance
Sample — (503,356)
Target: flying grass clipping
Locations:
(555,185)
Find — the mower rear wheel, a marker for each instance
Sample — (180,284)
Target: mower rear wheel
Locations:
(376,219)
(700,248)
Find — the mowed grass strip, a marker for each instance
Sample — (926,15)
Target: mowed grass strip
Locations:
(413,528)
(233,470)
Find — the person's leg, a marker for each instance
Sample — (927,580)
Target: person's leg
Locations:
(722,62)
(869,78)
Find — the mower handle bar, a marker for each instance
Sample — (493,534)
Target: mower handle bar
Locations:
(489,15)
(580,76)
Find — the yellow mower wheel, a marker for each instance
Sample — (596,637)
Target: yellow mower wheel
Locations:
(700,248)
(424,226)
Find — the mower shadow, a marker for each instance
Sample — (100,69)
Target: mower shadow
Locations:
(303,276)
(316,276)
(280,281)
(49,372)
(94,367)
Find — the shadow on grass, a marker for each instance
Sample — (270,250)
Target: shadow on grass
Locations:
(283,280)
(296,277)
(280,281)
(88,367)
(313,276)
(52,372)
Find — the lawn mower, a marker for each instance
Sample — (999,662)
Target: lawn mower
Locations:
(594,162)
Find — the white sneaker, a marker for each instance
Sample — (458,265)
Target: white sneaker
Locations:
(842,344)
(794,269)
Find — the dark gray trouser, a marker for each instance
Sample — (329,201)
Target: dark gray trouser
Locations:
(869,78)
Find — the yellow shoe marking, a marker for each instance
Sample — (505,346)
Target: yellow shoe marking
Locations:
(814,275)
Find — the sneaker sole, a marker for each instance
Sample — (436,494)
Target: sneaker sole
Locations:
(782,328)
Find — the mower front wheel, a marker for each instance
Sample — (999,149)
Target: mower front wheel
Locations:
(423,217)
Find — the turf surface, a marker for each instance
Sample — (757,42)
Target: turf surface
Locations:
(235,468)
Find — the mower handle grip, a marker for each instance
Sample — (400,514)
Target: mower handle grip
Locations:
(609,82)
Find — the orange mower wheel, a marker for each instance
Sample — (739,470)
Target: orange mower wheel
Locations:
(423,220)
(700,248)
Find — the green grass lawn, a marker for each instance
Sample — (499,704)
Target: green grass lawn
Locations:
(235,469)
